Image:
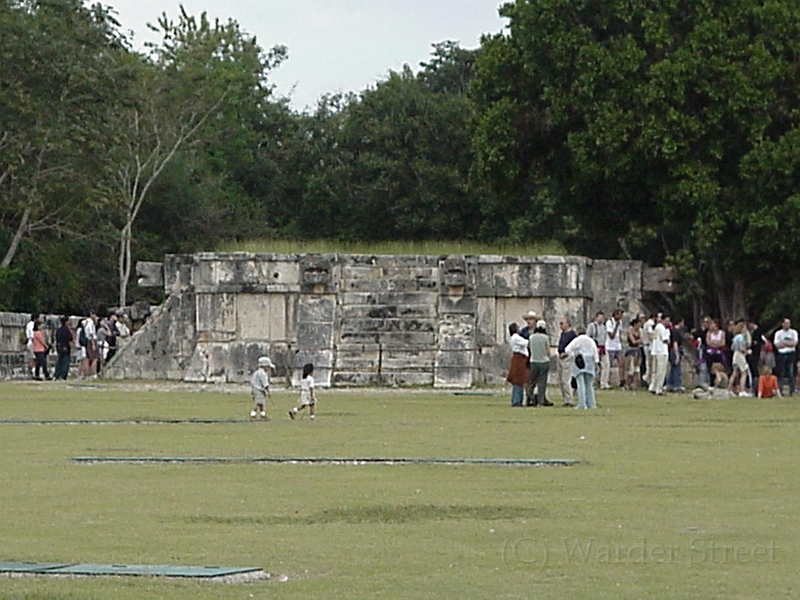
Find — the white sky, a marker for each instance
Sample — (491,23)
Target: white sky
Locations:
(334,45)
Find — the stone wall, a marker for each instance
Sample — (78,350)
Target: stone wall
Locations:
(361,319)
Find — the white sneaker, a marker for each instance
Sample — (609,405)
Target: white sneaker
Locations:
(263,415)
(252,414)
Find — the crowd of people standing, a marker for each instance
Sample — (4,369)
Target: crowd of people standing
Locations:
(91,344)
(741,358)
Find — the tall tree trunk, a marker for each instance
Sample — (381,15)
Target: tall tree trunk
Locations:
(15,241)
(124,270)
(738,302)
(722,290)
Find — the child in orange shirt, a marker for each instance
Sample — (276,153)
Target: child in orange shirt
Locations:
(768,384)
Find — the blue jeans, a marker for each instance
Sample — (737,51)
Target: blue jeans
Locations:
(585,390)
(62,366)
(786,368)
(674,379)
(516,395)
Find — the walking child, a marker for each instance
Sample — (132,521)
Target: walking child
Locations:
(307,397)
(259,388)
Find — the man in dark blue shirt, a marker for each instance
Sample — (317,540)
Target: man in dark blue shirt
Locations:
(64,339)
(565,362)
(530,324)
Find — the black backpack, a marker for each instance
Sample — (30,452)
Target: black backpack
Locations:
(82,339)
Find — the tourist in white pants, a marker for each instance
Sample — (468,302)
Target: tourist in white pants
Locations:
(659,350)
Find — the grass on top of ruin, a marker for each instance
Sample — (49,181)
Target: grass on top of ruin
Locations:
(673,498)
(422,248)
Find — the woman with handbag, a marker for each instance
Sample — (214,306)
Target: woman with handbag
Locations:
(518,369)
(40,350)
(586,358)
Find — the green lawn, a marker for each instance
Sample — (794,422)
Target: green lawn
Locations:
(673,498)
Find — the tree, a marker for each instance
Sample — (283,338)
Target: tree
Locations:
(57,88)
(188,90)
(399,155)
(665,130)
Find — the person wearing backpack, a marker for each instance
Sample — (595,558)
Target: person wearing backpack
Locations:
(87,354)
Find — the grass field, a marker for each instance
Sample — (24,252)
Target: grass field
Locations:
(673,498)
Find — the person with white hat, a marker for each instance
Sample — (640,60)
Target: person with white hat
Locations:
(259,388)
(539,349)
(530,324)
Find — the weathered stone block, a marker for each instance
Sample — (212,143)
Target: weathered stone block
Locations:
(397,298)
(314,335)
(316,309)
(457,332)
(356,378)
(243,360)
(407,378)
(321,359)
(216,313)
(407,360)
(407,339)
(486,322)
(178,273)
(516,277)
(150,274)
(454,369)
(368,325)
(357,272)
(454,304)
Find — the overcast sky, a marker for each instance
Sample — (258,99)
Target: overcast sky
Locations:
(334,45)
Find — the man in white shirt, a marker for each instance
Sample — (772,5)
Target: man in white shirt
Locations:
(614,343)
(29,354)
(659,350)
(785,341)
(647,345)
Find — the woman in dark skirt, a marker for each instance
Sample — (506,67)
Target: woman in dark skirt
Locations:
(518,369)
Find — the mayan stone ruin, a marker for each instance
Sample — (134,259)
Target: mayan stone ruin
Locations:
(362,319)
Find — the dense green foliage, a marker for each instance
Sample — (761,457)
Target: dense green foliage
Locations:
(666,132)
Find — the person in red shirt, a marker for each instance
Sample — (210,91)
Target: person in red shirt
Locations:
(768,384)
(40,350)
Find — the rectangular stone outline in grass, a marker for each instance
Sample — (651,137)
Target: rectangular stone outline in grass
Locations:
(527,462)
(88,569)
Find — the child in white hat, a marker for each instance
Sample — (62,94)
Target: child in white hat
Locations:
(259,388)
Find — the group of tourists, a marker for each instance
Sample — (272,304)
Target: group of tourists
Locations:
(92,343)
(740,360)
(578,360)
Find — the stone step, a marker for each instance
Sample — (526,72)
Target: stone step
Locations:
(424,298)
(368,325)
(389,310)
